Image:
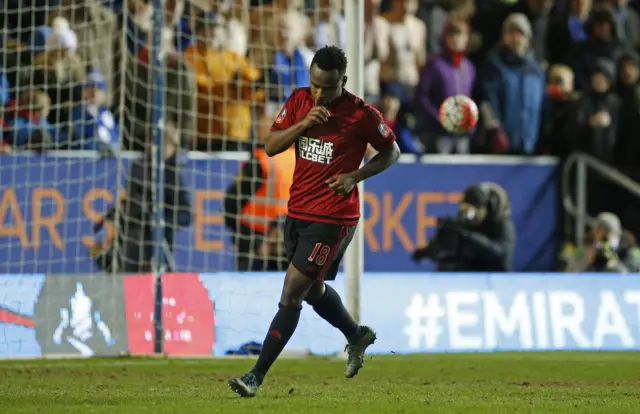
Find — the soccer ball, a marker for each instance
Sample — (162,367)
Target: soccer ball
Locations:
(458,114)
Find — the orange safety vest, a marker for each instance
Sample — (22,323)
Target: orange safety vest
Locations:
(270,201)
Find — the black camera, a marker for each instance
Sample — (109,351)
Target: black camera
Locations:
(481,237)
(446,241)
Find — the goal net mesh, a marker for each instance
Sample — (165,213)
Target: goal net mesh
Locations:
(87,202)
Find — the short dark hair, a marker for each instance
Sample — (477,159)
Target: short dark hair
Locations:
(330,58)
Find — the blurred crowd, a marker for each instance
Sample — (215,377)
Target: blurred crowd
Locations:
(549,77)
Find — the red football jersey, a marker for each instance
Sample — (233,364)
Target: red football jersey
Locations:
(322,151)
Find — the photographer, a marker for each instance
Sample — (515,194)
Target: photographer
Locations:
(134,227)
(481,238)
(610,249)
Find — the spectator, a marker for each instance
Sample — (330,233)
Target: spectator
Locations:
(376,49)
(598,114)
(225,90)
(265,31)
(138,22)
(628,22)
(558,111)
(407,54)
(566,30)
(448,73)
(628,89)
(611,249)
(59,71)
(179,98)
(602,43)
(237,17)
(25,123)
(481,238)
(627,152)
(60,57)
(291,61)
(487,23)
(389,106)
(538,13)
(329,28)
(438,16)
(461,10)
(94,127)
(136,220)
(400,72)
(96,27)
(512,84)
(596,130)
(254,205)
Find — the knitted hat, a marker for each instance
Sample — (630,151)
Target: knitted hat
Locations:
(62,36)
(517,21)
(606,67)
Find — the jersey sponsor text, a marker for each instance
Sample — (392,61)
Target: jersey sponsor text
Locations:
(316,150)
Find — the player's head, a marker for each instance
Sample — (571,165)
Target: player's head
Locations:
(328,69)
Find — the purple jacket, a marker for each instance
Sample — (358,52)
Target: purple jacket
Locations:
(439,80)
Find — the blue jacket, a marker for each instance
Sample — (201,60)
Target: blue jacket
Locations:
(94,128)
(514,88)
(18,131)
(5,89)
(288,73)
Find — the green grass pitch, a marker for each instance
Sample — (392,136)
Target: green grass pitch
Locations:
(439,383)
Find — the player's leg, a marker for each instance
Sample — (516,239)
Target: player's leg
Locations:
(280,331)
(296,285)
(328,305)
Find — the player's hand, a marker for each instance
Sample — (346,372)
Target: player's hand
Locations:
(341,184)
(318,115)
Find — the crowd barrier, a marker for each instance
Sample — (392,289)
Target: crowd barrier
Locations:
(49,204)
(211,314)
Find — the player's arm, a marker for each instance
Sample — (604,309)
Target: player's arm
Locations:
(279,141)
(376,132)
(384,159)
(383,140)
(285,130)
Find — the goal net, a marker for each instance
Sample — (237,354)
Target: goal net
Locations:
(128,219)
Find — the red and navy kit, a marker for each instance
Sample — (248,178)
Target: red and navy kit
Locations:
(321,223)
(335,147)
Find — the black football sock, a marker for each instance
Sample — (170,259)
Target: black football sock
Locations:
(331,309)
(280,331)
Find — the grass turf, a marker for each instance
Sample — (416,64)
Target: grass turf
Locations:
(453,383)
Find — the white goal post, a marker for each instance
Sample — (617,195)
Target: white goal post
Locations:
(354,258)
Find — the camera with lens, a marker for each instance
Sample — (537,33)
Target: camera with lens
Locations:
(480,237)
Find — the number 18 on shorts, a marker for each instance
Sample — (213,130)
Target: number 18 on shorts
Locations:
(316,249)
